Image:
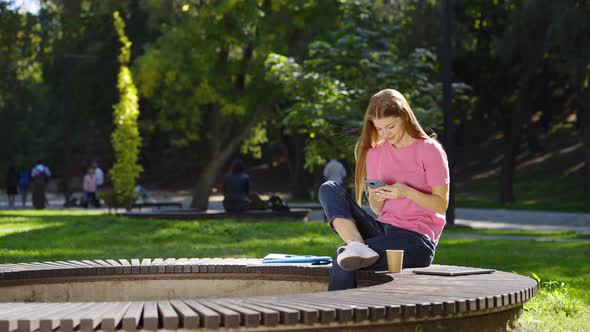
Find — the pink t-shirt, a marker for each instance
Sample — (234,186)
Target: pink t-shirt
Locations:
(421,165)
(89,183)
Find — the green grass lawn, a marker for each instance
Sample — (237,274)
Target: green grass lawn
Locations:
(57,235)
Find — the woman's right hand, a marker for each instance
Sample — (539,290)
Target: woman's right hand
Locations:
(373,196)
(375,202)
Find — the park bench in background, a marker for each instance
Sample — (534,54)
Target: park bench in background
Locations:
(157,205)
(192,214)
(46,296)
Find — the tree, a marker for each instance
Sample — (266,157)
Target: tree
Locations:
(540,46)
(326,94)
(569,29)
(125,138)
(205,75)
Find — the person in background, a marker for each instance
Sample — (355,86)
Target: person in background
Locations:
(89,187)
(11,184)
(40,174)
(236,186)
(141,193)
(24,183)
(98,175)
(334,171)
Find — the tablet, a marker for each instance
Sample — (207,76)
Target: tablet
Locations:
(278,258)
(454,271)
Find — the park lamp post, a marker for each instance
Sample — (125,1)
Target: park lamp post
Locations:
(69,59)
(447,102)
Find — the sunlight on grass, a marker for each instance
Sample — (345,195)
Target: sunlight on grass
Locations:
(554,309)
(47,212)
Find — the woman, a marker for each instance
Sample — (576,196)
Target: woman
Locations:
(411,207)
(89,187)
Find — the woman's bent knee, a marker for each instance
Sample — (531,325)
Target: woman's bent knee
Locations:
(330,187)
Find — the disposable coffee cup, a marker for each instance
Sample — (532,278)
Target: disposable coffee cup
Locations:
(395,259)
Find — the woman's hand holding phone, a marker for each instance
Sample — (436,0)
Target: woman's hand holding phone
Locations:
(396,191)
(372,186)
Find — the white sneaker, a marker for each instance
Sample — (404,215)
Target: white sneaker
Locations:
(355,255)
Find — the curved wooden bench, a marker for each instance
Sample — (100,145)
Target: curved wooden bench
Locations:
(404,301)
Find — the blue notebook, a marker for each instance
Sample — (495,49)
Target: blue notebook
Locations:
(283,258)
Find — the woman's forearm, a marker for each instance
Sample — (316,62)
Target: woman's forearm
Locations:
(427,201)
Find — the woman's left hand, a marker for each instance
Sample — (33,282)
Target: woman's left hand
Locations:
(396,191)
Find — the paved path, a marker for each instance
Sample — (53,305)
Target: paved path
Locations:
(523,220)
(509,237)
(512,219)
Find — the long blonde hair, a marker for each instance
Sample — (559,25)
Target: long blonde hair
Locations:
(385,103)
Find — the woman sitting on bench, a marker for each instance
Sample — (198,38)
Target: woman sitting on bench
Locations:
(409,174)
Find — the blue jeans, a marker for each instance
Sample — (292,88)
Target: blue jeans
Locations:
(338,203)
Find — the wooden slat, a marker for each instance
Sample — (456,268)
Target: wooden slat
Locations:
(212,264)
(108,268)
(209,319)
(270,317)
(87,269)
(116,265)
(126,266)
(179,265)
(377,308)
(135,266)
(288,316)
(169,265)
(145,265)
(76,269)
(48,323)
(72,321)
(248,317)
(100,270)
(229,318)
(31,322)
(168,315)
(344,312)
(132,316)
(150,316)
(308,315)
(203,265)
(112,317)
(154,265)
(189,319)
(9,318)
(91,320)
(311,300)
(193,264)
(394,308)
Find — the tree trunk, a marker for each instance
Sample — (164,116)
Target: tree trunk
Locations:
(584,112)
(512,142)
(298,176)
(220,157)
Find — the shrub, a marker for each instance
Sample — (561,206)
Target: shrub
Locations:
(125,139)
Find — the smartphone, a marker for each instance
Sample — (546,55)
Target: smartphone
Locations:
(374,183)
